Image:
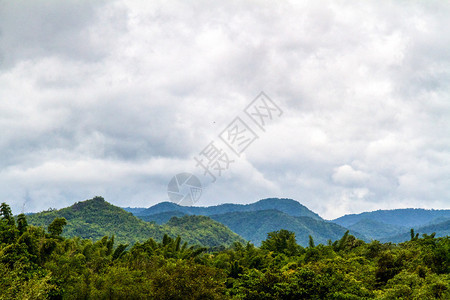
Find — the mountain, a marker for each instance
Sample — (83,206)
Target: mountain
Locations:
(253,221)
(288,206)
(408,217)
(95,218)
(376,230)
(441,229)
(255,225)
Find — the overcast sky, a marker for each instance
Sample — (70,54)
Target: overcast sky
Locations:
(114,98)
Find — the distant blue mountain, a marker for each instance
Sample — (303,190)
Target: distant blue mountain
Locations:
(376,230)
(440,229)
(407,217)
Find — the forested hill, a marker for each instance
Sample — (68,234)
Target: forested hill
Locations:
(288,206)
(95,218)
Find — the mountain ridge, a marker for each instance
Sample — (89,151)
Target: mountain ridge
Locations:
(375,225)
(286,205)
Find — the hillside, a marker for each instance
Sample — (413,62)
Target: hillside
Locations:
(408,217)
(254,226)
(288,206)
(203,230)
(95,218)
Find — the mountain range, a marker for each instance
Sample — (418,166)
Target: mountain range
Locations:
(253,221)
(228,223)
(289,206)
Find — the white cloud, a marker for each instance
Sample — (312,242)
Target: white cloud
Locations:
(114,98)
(346,175)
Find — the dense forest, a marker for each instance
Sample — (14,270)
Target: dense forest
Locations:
(39,263)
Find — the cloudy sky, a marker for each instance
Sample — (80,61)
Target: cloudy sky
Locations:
(114,98)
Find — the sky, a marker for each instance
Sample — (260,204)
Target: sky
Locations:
(115,98)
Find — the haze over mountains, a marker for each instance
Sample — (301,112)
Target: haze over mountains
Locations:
(225,224)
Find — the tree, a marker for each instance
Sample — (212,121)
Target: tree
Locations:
(22,223)
(5,212)
(282,241)
(311,242)
(56,227)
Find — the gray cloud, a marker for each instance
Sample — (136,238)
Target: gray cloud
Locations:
(114,98)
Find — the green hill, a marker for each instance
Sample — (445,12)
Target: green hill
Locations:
(203,230)
(95,218)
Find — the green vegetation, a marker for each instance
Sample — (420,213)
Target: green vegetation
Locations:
(38,263)
(96,218)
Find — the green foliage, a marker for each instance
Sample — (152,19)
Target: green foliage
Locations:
(282,241)
(22,223)
(37,265)
(56,227)
(6,214)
